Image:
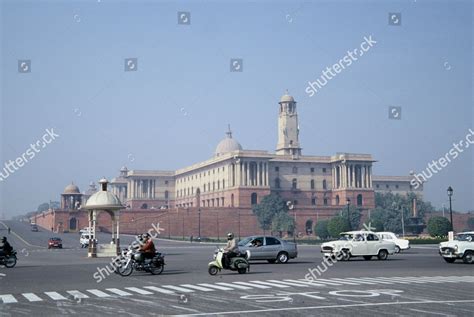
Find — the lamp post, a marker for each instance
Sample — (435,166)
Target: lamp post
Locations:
(199,224)
(348,203)
(450,194)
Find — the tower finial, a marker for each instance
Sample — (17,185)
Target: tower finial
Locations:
(286,92)
(229,131)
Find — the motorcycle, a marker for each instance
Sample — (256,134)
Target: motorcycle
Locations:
(238,263)
(8,260)
(131,260)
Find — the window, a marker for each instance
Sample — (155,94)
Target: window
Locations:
(166,182)
(272,241)
(325,185)
(277,182)
(325,201)
(313,201)
(337,200)
(377,186)
(277,169)
(396,186)
(253,199)
(166,194)
(223,184)
(312,169)
(386,186)
(213,185)
(294,183)
(312,184)
(222,200)
(324,170)
(218,184)
(295,202)
(295,170)
(372,237)
(359,200)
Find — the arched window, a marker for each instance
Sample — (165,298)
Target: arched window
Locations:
(325,184)
(309,226)
(337,200)
(359,200)
(277,182)
(166,194)
(312,184)
(294,183)
(144,206)
(325,201)
(295,170)
(253,199)
(72,223)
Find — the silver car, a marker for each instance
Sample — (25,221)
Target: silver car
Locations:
(271,249)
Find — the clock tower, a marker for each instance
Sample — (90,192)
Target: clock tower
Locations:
(288,128)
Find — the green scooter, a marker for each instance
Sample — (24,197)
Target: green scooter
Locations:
(239,263)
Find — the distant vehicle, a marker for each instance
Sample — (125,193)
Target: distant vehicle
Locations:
(55,243)
(400,244)
(271,249)
(462,247)
(84,240)
(358,243)
(34,228)
(85,230)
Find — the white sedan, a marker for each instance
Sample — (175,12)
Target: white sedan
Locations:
(401,244)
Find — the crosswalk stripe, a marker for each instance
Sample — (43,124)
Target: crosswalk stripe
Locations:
(55,296)
(199,288)
(235,286)
(375,280)
(7,299)
(343,280)
(180,289)
(404,280)
(159,290)
(118,292)
(98,293)
(138,290)
(329,282)
(77,294)
(393,280)
(222,288)
(270,284)
(360,281)
(251,285)
(307,282)
(32,297)
(288,283)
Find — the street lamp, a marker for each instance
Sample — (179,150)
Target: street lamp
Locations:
(348,203)
(450,194)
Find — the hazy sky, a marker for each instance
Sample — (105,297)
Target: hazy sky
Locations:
(174,110)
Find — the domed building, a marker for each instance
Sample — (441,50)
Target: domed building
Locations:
(71,198)
(228,145)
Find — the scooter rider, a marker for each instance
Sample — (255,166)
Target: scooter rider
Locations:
(231,250)
(6,248)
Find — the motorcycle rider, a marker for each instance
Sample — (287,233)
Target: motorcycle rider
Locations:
(231,250)
(148,248)
(6,248)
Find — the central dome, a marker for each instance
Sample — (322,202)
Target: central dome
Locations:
(71,189)
(227,145)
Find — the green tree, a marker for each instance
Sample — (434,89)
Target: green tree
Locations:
(270,206)
(470,223)
(283,222)
(321,229)
(43,207)
(438,226)
(354,216)
(337,225)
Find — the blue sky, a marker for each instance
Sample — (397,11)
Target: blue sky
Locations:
(173,111)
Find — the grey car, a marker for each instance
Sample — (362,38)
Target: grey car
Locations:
(271,249)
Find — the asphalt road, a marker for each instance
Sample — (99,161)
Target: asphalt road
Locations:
(62,282)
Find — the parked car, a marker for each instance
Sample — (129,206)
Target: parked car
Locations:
(84,240)
(462,247)
(55,243)
(358,243)
(271,249)
(34,228)
(85,230)
(400,244)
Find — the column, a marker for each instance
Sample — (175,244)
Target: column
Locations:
(247,183)
(266,174)
(258,174)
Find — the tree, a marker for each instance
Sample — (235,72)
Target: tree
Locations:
(470,224)
(270,206)
(354,216)
(337,225)
(283,222)
(439,226)
(43,207)
(321,229)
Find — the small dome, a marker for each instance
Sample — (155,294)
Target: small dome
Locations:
(227,145)
(71,189)
(124,169)
(287,98)
(103,199)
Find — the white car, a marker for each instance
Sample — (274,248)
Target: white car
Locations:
(85,230)
(400,244)
(462,247)
(84,240)
(358,243)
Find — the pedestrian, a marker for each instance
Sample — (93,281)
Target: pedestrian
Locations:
(9,229)
(191,238)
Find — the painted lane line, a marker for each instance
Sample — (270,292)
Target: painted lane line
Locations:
(252,285)
(179,289)
(139,290)
(199,288)
(270,284)
(98,293)
(394,280)
(32,297)
(77,294)
(118,292)
(222,288)
(288,283)
(7,299)
(235,286)
(160,290)
(55,296)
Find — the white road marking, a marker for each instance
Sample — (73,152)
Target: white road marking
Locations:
(98,293)
(222,288)
(361,281)
(32,297)
(270,284)
(329,282)
(118,292)
(305,281)
(77,294)
(288,283)
(235,286)
(159,290)
(251,285)
(179,289)
(429,312)
(7,299)
(138,290)
(376,280)
(344,281)
(199,288)
(55,296)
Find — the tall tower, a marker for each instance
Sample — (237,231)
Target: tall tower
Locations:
(288,129)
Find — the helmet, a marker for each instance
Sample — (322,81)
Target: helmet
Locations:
(230,236)
(146,235)
(4,239)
